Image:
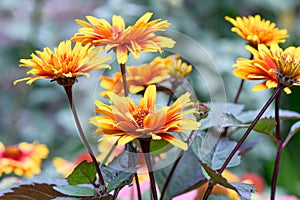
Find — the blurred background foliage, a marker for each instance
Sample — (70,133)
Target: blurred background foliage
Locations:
(40,112)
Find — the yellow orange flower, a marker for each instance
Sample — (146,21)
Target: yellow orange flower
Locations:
(23,159)
(233,195)
(112,84)
(256,30)
(130,121)
(65,64)
(138,78)
(272,65)
(66,167)
(137,38)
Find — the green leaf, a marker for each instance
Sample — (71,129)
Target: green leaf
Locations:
(295,128)
(243,189)
(248,116)
(126,161)
(213,150)
(186,177)
(85,172)
(215,115)
(222,151)
(159,146)
(122,179)
(121,170)
(265,126)
(231,120)
(75,190)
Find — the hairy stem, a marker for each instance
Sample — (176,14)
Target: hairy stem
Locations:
(277,92)
(279,148)
(145,145)
(68,90)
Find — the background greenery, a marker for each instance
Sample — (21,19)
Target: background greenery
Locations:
(40,112)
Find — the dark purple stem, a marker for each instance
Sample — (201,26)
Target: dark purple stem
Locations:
(277,92)
(279,149)
(68,90)
(138,186)
(123,71)
(145,145)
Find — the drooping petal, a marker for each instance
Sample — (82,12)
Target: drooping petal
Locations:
(175,141)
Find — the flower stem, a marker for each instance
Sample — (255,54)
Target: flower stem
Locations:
(170,175)
(279,148)
(139,193)
(145,145)
(236,99)
(277,92)
(123,71)
(68,90)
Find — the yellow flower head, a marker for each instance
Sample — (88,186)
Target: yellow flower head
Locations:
(138,78)
(23,159)
(177,68)
(256,31)
(65,64)
(274,65)
(130,121)
(134,39)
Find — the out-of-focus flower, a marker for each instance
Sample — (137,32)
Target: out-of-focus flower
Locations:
(256,31)
(112,84)
(274,65)
(257,181)
(130,121)
(178,70)
(65,64)
(250,178)
(66,167)
(233,195)
(24,159)
(159,70)
(134,39)
(138,78)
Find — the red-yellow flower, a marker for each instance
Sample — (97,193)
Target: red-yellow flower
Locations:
(256,31)
(65,64)
(272,65)
(134,39)
(23,159)
(130,121)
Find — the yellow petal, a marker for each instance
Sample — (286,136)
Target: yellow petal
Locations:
(125,139)
(175,141)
